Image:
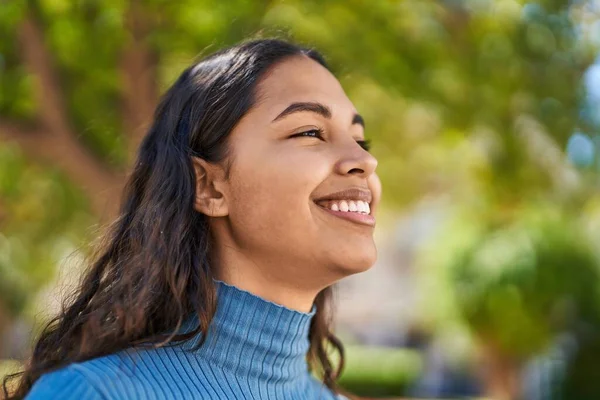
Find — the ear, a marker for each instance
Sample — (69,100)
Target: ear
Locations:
(210,196)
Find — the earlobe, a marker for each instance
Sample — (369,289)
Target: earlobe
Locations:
(209,196)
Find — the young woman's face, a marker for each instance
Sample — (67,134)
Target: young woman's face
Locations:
(286,177)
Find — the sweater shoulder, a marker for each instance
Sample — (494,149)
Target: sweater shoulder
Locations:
(102,377)
(129,374)
(65,383)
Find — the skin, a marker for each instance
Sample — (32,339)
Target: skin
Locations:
(270,237)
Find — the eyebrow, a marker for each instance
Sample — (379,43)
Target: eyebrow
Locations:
(317,108)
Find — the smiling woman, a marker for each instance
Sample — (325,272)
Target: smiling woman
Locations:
(252,194)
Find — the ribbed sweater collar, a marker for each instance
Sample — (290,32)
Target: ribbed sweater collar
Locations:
(251,336)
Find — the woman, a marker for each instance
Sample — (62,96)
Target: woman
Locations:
(252,194)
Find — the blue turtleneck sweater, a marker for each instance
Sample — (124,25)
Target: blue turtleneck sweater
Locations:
(255,349)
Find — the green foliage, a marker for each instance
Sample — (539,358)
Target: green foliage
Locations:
(519,284)
(16,96)
(40,219)
(379,371)
(582,380)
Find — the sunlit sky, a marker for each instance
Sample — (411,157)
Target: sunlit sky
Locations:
(593,81)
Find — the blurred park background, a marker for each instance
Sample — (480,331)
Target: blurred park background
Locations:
(485,118)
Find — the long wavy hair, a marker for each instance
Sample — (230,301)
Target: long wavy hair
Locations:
(151,269)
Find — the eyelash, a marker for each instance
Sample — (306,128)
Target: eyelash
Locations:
(365,144)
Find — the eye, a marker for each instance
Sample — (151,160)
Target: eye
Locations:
(316,133)
(365,144)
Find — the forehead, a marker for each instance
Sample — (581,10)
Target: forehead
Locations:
(300,78)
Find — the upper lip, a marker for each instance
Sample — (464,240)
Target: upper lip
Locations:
(348,194)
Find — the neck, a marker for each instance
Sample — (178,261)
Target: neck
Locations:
(283,282)
(271,289)
(252,336)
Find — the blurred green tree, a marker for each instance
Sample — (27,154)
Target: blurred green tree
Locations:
(520,285)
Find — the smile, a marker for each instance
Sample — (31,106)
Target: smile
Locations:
(357,211)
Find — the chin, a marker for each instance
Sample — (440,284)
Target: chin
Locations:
(357,264)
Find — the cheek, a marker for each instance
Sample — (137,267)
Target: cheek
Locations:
(271,194)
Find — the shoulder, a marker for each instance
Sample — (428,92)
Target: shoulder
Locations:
(98,378)
(65,383)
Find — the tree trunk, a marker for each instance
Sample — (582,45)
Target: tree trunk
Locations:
(500,373)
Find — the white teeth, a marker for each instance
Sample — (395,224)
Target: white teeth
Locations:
(352,206)
(361,206)
(343,206)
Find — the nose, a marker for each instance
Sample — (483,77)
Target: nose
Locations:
(356,161)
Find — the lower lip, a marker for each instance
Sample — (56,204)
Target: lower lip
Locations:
(364,219)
